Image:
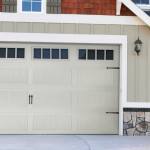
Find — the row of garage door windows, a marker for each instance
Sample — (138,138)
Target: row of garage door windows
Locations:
(46,53)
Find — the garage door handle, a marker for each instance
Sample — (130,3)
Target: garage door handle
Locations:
(113,68)
(112,112)
(31,99)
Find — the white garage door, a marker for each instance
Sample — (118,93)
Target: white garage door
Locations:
(59,89)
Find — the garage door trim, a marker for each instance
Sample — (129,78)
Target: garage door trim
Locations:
(75,39)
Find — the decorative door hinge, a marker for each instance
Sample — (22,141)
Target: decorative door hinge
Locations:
(113,68)
(112,112)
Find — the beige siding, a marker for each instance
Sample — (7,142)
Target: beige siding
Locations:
(7,26)
(38,27)
(132,36)
(114,29)
(23,27)
(99,29)
(54,28)
(69,28)
(142,63)
(138,66)
(84,28)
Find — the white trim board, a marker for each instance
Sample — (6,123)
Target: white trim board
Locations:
(144,6)
(70,18)
(84,39)
(136,105)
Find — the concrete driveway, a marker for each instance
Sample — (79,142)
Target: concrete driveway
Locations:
(73,142)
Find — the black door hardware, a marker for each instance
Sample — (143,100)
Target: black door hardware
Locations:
(31,99)
(113,68)
(112,112)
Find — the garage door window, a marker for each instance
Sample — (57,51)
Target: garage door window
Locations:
(82,53)
(2,52)
(55,53)
(64,53)
(109,54)
(92,54)
(37,53)
(20,52)
(46,53)
(100,54)
(11,53)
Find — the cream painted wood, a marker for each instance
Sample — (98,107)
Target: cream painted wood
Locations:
(13,123)
(72,18)
(69,96)
(13,76)
(54,76)
(13,99)
(52,99)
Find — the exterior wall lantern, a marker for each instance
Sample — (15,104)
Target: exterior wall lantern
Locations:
(138,45)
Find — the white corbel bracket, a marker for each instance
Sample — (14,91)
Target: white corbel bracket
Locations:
(118,7)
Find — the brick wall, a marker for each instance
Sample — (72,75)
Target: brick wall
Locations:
(0,5)
(125,11)
(92,7)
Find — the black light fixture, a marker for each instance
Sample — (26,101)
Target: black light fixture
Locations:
(138,45)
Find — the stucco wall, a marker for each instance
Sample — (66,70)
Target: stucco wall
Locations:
(138,66)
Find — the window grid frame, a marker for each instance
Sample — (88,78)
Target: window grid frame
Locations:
(95,50)
(86,59)
(15,53)
(31,7)
(61,53)
(50,54)
(142,3)
(78,56)
(42,53)
(5,53)
(104,54)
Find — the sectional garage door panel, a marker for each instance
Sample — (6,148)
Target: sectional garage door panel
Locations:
(52,76)
(52,122)
(13,99)
(13,76)
(13,123)
(103,77)
(96,77)
(103,124)
(42,95)
(98,99)
(52,99)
